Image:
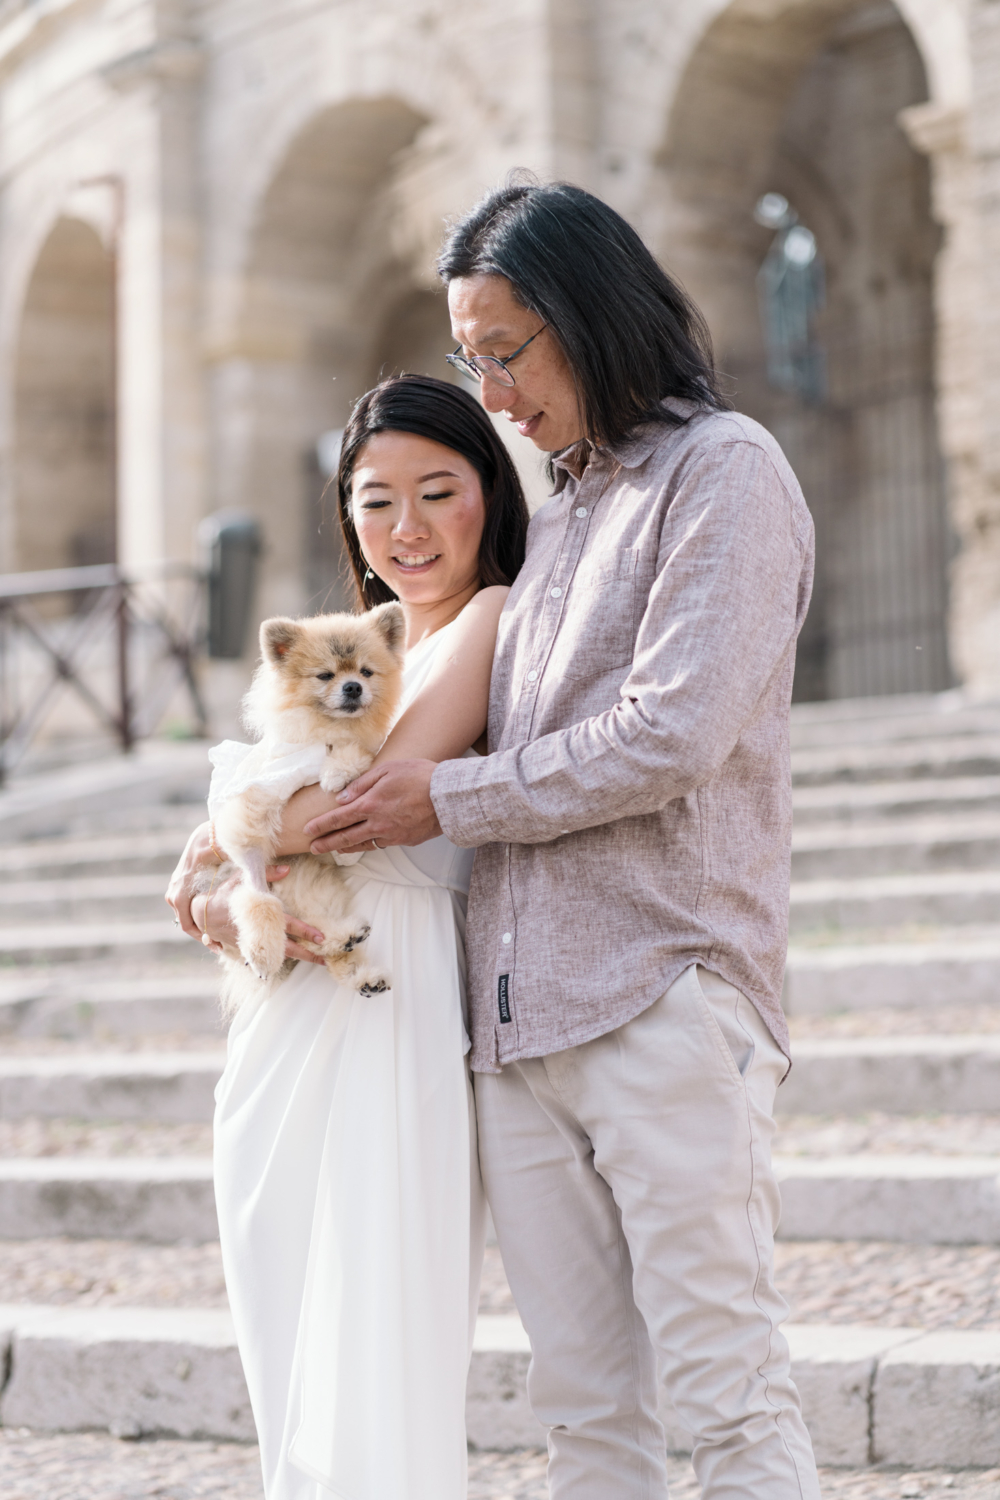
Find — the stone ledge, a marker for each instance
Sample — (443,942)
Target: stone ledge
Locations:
(923,1200)
(928,1399)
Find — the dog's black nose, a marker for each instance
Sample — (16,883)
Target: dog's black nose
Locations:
(351,690)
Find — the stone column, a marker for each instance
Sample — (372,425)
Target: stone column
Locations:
(161,408)
(967,181)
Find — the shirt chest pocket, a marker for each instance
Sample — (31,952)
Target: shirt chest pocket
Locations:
(599,621)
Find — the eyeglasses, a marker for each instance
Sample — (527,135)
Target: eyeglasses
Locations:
(478,365)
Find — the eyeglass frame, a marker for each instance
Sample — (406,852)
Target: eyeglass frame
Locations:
(463,362)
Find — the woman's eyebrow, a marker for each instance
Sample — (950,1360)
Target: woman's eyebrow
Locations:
(438,474)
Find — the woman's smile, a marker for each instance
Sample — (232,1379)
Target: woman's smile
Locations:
(415,562)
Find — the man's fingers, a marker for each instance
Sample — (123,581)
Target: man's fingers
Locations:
(276,872)
(361,784)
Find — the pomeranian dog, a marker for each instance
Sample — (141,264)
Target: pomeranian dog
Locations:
(322,701)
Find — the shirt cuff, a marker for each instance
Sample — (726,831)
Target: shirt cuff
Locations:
(455,795)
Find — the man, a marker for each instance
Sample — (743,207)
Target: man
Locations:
(628,914)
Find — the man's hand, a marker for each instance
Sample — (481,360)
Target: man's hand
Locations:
(388,805)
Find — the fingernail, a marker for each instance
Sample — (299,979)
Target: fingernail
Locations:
(343,796)
(282,869)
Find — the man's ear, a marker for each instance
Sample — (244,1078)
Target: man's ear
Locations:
(277,637)
(391,622)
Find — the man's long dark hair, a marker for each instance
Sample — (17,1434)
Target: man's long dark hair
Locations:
(631,335)
(434,409)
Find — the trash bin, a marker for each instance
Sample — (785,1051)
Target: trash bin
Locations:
(231,544)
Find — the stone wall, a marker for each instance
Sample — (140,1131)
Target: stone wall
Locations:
(274,181)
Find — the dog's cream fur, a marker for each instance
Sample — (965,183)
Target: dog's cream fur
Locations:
(333,680)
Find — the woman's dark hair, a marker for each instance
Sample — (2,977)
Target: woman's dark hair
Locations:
(630,333)
(439,411)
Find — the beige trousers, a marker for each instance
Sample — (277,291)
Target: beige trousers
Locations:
(635,1206)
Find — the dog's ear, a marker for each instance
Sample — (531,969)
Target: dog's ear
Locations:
(391,622)
(277,637)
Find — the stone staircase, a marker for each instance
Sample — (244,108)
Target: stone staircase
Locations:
(112,1305)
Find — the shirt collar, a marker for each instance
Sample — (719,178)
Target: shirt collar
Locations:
(629,452)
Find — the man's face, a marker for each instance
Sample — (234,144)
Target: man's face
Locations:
(486,318)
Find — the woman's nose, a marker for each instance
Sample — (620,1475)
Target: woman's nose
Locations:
(411,524)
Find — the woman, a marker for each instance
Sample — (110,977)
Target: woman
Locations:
(350,1211)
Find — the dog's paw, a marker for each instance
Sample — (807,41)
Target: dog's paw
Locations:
(368,982)
(361,935)
(261,923)
(334,781)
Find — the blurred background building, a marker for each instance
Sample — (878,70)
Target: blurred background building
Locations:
(218,223)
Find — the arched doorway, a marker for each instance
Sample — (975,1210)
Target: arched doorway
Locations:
(804,104)
(322,273)
(63,458)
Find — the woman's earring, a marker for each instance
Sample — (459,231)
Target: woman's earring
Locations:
(368,575)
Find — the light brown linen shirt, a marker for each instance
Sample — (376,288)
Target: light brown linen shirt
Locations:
(634,814)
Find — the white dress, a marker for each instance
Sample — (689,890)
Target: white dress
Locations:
(350,1207)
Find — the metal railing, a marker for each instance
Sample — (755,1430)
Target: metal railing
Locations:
(122,645)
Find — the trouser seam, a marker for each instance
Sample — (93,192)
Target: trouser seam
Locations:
(763,1311)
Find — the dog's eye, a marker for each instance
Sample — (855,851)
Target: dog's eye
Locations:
(326,676)
(367,672)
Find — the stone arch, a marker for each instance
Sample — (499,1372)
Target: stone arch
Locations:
(63,458)
(324,265)
(805,100)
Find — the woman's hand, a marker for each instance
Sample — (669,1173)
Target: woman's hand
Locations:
(208,919)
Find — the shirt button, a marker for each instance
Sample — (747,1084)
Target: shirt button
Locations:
(532,676)
(505,938)
(556,593)
(581,511)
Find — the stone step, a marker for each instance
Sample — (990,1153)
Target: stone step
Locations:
(867,802)
(79,900)
(890,719)
(893,1075)
(928,1200)
(958,755)
(161,1199)
(953,969)
(139,853)
(869,1395)
(168,1086)
(919,846)
(107,792)
(918,1199)
(67,1001)
(947,898)
(66,941)
(854,1076)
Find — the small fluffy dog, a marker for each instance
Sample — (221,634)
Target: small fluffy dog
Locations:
(322,700)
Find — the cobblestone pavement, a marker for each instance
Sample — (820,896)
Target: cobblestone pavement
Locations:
(93,1466)
(953,1020)
(938,1135)
(894,1286)
(899,1286)
(111,1273)
(35,1136)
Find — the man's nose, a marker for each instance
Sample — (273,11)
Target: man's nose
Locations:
(493,396)
(351,690)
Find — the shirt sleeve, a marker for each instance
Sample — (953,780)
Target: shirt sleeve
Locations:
(730,594)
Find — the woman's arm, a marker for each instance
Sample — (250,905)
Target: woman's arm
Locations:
(446,717)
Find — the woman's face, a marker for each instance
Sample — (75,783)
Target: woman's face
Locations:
(419,513)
